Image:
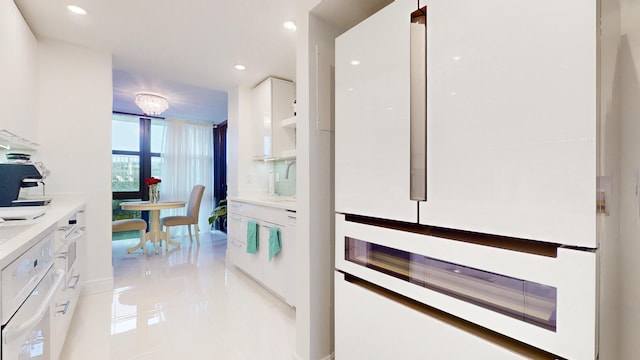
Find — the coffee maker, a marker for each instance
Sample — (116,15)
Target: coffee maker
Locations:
(17,176)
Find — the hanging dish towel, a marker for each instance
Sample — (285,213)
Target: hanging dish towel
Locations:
(275,244)
(252,237)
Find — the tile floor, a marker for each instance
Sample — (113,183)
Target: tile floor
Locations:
(186,304)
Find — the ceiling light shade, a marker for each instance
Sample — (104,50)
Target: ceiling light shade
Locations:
(152,104)
(77,10)
(290,25)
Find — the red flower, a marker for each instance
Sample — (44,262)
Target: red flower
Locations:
(152,181)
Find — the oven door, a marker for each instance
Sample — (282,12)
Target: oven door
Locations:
(546,299)
(28,334)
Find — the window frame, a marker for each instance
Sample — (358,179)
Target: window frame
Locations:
(145,157)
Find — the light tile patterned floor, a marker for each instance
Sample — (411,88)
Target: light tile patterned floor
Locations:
(182,305)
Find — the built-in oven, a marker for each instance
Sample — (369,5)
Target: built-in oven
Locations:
(29,286)
(533,293)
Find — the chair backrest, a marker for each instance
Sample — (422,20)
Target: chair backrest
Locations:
(193,208)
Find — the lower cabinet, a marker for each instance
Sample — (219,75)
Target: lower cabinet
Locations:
(70,240)
(277,274)
(370,324)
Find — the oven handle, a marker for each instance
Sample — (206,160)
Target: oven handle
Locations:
(77,234)
(11,333)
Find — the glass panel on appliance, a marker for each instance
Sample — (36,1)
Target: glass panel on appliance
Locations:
(524,300)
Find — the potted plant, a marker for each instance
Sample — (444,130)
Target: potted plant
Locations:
(219,215)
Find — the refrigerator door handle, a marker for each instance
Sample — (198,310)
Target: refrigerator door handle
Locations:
(418,104)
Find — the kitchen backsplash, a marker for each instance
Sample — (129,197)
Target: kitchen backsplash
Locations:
(285,187)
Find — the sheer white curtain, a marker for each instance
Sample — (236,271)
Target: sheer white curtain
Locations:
(187,160)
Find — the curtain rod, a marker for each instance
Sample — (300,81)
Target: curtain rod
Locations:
(167,119)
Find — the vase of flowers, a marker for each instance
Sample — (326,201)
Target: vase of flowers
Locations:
(154,193)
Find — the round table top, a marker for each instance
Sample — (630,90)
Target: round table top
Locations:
(146,205)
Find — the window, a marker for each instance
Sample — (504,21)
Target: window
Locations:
(136,154)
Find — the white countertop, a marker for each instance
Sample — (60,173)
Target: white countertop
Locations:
(30,230)
(284,202)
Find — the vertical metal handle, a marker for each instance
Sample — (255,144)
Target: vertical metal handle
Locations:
(418,105)
(65,307)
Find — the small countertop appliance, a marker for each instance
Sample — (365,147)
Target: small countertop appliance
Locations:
(16,176)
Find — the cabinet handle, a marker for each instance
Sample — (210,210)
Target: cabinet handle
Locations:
(66,307)
(418,105)
(236,218)
(75,285)
(266,226)
(291,217)
(236,243)
(62,255)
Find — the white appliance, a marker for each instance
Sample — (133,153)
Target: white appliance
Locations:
(490,181)
(29,285)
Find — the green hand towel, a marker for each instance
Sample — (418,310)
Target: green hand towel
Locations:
(252,237)
(275,244)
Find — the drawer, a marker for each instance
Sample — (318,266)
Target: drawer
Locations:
(265,213)
(235,226)
(249,263)
(21,276)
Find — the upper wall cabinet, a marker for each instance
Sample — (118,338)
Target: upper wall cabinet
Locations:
(271,103)
(19,73)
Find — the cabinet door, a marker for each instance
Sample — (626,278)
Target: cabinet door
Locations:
(402,332)
(261,115)
(237,247)
(282,95)
(372,153)
(511,118)
(19,73)
(279,272)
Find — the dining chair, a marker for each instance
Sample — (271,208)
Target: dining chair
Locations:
(130,225)
(193,210)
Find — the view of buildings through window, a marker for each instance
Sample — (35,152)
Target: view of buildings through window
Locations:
(136,154)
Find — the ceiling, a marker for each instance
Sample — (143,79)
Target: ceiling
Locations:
(185,50)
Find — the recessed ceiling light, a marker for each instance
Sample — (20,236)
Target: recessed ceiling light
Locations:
(77,10)
(289,25)
(240,67)
(355,62)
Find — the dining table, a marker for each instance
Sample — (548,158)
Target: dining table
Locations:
(155,233)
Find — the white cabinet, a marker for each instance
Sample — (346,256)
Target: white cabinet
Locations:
(271,104)
(19,73)
(512,118)
(372,326)
(69,245)
(277,274)
(372,117)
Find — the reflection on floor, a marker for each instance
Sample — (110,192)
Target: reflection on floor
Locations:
(182,305)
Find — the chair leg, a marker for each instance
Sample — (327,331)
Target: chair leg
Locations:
(197,229)
(143,240)
(190,237)
(168,237)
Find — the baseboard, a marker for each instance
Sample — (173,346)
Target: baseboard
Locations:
(97,286)
(328,357)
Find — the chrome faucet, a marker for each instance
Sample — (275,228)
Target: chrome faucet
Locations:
(288,163)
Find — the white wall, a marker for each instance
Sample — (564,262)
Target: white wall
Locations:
(315,192)
(629,60)
(75,103)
